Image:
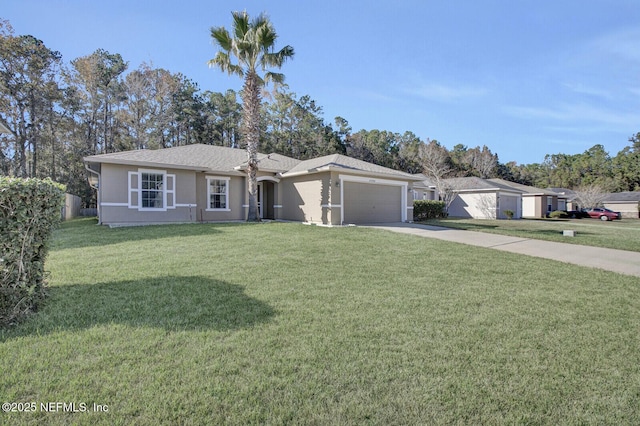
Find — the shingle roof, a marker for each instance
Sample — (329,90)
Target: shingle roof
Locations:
(425,181)
(232,160)
(627,196)
(197,156)
(531,190)
(273,162)
(347,163)
(476,183)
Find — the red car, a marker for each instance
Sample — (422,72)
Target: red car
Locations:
(602,213)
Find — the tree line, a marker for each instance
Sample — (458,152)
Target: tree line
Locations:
(58,113)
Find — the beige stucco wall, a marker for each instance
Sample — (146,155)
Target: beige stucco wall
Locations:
(314,198)
(535,206)
(627,210)
(114,191)
(303,198)
(236,200)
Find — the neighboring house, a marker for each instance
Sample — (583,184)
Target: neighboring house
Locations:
(627,203)
(570,196)
(484,199)
(4,129)
(206,183)
(425,189)
(489,198)
(536,202)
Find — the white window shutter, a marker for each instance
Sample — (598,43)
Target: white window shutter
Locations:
(134,190)
(170,192)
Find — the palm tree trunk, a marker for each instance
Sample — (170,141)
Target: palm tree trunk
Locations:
(251,133)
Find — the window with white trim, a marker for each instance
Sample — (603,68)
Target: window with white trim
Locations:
(152,196)
(151,190)
(218,193)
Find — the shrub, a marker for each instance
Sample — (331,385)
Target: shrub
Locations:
(428,209)
(29,210)
(559,214)
(509,214)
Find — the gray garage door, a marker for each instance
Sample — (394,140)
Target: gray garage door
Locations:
(371,203)
(508,202)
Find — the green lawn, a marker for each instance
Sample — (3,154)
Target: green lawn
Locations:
(620,234)
(282,323)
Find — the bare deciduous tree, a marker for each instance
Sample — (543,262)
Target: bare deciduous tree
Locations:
(436,164)
(590,195)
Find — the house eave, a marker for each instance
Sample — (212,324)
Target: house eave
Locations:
(89,160)
(489,190)
(542,194)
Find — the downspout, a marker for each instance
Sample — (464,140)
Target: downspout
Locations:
(98,191)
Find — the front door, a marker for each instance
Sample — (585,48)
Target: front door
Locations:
(260,198)
(266,196)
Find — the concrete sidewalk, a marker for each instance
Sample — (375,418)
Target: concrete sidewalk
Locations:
(621,261)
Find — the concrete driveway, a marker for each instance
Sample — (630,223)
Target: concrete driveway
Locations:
(621,261)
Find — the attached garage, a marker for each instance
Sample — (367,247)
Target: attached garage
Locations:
(509,202)
(373,200)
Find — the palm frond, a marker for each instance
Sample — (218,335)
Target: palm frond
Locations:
(274,77)
(221,36)
(252,43)
(266,37)
(261,20)
(240,24)
(277,59)
(223,61)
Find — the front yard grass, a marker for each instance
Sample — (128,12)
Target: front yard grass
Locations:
(619,234)
(281,323)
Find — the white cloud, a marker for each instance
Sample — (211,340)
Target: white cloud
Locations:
(374,96)
(446,93)
(416,84)
(590,91)
(582,113)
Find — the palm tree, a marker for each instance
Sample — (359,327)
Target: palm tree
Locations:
(252,44)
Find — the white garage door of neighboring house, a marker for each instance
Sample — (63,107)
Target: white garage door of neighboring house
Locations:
(528,206)
(371,203)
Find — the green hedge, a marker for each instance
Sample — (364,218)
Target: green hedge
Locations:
(428,209)
(29,211)
(559,214)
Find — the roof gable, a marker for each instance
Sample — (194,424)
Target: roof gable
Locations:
(339,161)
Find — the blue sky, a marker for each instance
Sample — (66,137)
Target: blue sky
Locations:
(526,78)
